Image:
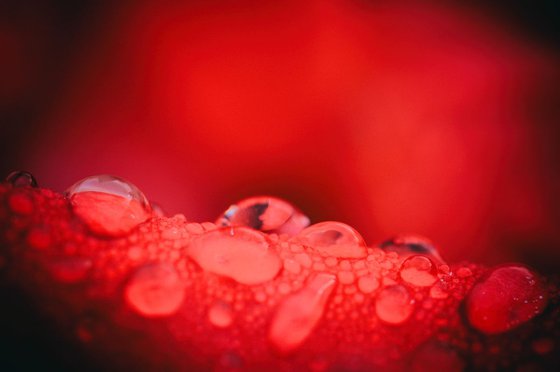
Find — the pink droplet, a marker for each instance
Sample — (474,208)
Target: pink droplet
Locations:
(368,284)
(239,253)
(334,239)
(109,205)
(220,314)
(505,298)
(265,213)
(418,271)
(297,315)
(394,304)
(155,290)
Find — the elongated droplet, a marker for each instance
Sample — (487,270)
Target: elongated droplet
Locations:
(239,253)
(155,290)
(21,179)
(334,239)
(409,245)
(418,271)
(265,213)
(505,298)
(298,314)
(394,304)
(109,205)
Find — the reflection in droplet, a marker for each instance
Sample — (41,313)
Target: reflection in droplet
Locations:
(409,245)
(220,314)
(109,205)
(334,239)
(418,271)
(265,213)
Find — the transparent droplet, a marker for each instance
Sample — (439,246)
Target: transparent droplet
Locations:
(504,298)
(239,253)
(109,205)
(220,314)
(265,213)
(409,245)
(21,179)
(334,239)
(418,271)
(299,313)
(394,304)
(155,290)
(157,209)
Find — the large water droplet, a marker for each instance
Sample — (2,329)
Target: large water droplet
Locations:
(409,245)
(300,312)
(394,304)
(155,290)
(21,179)
(220,314)
(109,205)
(239,253)
(504,298)
(334,239)
(265,213)
(418,271)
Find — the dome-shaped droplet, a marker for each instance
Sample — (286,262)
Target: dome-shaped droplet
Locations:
(220,314)
(21,179)
(109,205)
(394,304)
(155,290)
(334,239)
(418,271)
(408,245)
(265,213)
(239,253)
(300,312)
(504,298)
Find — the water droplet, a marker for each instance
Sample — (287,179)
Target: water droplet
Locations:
(157,209)
(265,213)
(109,205)
(334,239)
(504,298)
(21,179)
(220,314)
(368,284)
(408,245)
(155,290)
(394,305)
(543,346)
(299,313)
(20,203)
(418,271)
(39,237)
(464,272)
(239,253)
(70,270)
(438,292)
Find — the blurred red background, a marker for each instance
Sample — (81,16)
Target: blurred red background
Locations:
(433,118)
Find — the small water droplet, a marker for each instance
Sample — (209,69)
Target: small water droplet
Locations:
(408,245)
(265,213)
(220,314)
(157,209)
(543,346)
(438,292)
(239,253)
(491,304)
(368,283)
(155,290)
(21,179)
(109,205)
(299,313)
(334,239)
(394,305)
(418,271)
(20,203)
(464,272)
(39,237)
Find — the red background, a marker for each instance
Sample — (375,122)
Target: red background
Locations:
(429,117)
